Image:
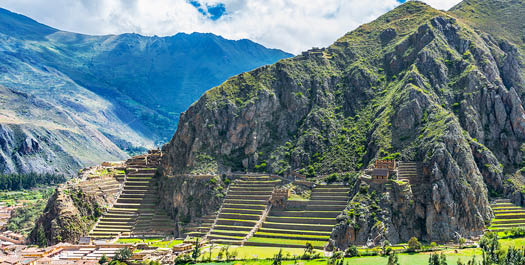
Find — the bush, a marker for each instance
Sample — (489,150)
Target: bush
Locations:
(517,232)
(331,178)
(433,245)
(393,259)
(413,244)
(351,251)
(123,254)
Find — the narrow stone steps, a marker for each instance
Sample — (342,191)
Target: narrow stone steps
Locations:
(321,214)
(301,220)
(298,232)
(298,226)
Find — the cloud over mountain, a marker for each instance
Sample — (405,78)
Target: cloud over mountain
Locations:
(291,25)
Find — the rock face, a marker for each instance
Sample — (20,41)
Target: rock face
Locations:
(97,98)
(69,215)
(417,83)
(187,198)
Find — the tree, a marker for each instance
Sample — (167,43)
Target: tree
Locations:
(490,248)
(41,237)
(211,249)
(103,259)
(433,245)
(461,242)
(436,259)
(413,244)
(123,254)
(393,259)
(277,259)
(308,248)
(385,246)
(196,250)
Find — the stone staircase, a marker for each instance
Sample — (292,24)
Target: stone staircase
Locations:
(243,207)
(200,227)
(506,215)
(314,224)
(135,212)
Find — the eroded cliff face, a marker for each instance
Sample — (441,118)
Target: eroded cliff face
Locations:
(417,84)
(187,198)
(69,214)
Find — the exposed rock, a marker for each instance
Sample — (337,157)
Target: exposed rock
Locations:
(186,198)
(435,93)
(69,215)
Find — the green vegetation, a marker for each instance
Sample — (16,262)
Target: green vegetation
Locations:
(15,182)
(32,204)
(286,241)
(153,242)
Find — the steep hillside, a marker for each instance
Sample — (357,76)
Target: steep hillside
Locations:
(85,99)
(416,84)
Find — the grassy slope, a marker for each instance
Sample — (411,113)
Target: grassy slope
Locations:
(500,18)
(334,138)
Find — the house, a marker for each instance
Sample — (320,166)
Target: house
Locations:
(380,174)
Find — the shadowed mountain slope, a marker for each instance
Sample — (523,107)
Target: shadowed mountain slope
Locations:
(119,93)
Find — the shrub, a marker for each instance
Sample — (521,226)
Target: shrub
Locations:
(433,245)
(351,251)
(331,178)
(461,242)
(103,259)
(414,244)
(393,259)
(123,254)
(277,259)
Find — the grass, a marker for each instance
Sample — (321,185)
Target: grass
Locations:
(292,235)
(264,255)
(250,252)
(154,242)
(305,231)
(295,197)
(286,241)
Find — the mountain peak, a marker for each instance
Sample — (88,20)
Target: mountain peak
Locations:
(503,18)
(22,27)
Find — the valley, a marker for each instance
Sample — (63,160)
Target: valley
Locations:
(403,142)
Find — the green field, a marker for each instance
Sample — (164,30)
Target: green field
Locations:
(286,241)
(251,252)
(154,242)
(265,254)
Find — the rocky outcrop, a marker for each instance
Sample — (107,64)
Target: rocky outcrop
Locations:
(417,84)
(69,214)
(187,198)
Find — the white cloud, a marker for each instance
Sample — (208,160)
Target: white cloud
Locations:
(291,25)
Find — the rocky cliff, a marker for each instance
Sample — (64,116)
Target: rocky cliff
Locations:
(186,198)
(416,84)
(75,206)
(69,214)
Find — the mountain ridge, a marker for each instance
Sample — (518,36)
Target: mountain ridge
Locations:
(416,84)
(127,89)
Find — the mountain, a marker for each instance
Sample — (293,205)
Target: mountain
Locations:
(417,84)
(80,99)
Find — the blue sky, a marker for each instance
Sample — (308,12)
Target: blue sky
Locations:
(290,25)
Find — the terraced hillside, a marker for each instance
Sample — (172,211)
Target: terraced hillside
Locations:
(314,224)
(245,204)
(135,212)
(507,215)
(200,227)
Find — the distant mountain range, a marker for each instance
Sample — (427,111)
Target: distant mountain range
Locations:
(69,100)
